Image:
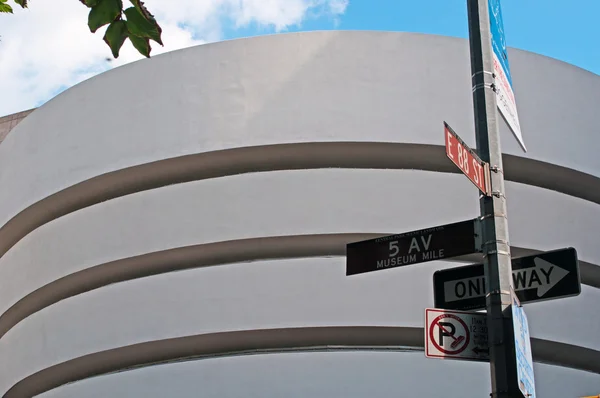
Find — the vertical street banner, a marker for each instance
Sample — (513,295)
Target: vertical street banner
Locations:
(505,96)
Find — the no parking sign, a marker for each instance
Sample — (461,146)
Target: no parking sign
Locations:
(456,335)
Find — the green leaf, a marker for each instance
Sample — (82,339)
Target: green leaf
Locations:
(5,7)
(104,12)
(115,36)
(89,3)
(22,3)
(141,44)
(142,9)
(140,26)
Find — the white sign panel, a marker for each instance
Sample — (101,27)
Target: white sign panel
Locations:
(456,335)
(505,96)
(523,350)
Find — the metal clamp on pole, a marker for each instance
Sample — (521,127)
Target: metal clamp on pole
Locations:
(484,85)
(496,252)
(501,293)
(497,241)
(502,215)
(483,72)
(496,169)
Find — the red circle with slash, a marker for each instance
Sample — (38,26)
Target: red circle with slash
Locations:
(459,344)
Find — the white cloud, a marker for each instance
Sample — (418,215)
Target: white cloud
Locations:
(48,47)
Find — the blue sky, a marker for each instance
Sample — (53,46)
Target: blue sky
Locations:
(48,47)
(568,30)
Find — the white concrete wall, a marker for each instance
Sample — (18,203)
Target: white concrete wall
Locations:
(322,86)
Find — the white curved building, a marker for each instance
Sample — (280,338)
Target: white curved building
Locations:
(305,141)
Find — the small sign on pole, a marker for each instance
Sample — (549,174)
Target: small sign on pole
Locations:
(522,349)
(467,160)
(456,335)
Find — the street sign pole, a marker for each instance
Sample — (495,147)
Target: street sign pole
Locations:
(496,249)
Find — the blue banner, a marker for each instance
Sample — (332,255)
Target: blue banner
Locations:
(505,96)
(498,40)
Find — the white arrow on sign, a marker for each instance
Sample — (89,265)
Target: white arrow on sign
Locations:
(552,272)
(543,277)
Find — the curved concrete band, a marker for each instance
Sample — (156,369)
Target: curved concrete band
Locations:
(206,255)
(295,156)
(264,341)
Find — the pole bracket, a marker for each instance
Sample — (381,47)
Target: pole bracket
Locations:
(501,241)
(495,214)
(478,86)
(483,72)
(498,291)
(502,294)
(502,252)
(496,169)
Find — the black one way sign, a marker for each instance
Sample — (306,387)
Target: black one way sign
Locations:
(413,247)
(539,277)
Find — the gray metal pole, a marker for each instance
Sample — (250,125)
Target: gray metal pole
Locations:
(496,249)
